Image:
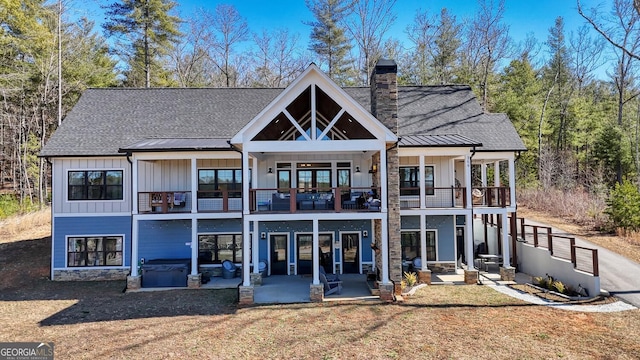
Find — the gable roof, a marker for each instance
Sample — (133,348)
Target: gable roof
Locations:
(106,120)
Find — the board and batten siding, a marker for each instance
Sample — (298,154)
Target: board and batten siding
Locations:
(164,239)
(164,175)
(89,226)
(61,203)
(442,168)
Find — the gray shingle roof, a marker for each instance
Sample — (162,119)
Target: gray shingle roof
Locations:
(106,120)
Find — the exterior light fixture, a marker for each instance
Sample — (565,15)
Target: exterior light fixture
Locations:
(270,171)
(374,169)
(357,169)
(263,235)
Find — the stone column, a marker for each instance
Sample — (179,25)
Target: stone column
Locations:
(384,106)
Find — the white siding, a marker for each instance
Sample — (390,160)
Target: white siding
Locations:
(61,204)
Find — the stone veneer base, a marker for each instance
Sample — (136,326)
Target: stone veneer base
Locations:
(90,274)
(386,292)
(424,277)
(245,295)
(471,277)
(194,281)
(316,293)
(508,273)
(134,282)
(256,279)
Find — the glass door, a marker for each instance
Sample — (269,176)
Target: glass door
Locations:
(304,253)
(350,253)
(279,259)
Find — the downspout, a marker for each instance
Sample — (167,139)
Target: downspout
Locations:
(235,148)
(131,216)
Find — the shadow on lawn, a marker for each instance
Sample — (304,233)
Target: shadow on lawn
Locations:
(25,277)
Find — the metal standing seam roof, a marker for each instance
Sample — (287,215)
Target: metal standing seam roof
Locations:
(105,121)
(451,140)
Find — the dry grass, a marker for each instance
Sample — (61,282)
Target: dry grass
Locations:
(626,246)
(97,320)
(34,225)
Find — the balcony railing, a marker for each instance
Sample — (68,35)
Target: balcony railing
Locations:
(291,200)
(454,197)
(164,202)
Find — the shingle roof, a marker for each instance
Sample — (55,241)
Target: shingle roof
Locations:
(178,144)
(106,120)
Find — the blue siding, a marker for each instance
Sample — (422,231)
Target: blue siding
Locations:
(446,236)
(410,222)
(162,239)
(220,225)
(332,226)
(89,225)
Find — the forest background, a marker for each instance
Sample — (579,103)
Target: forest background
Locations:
(572,96)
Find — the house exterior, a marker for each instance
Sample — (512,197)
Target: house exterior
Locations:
(280,177)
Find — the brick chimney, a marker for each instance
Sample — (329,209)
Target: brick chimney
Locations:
(384,106)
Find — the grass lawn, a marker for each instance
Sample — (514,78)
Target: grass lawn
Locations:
(96,320)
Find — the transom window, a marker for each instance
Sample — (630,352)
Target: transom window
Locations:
(410,180)
(212,183)
(95,185)
(216,248)
(94,251)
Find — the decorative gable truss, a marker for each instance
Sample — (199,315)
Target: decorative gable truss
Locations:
(313,113)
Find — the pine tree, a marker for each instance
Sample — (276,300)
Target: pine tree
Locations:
(146,32)
(328,39)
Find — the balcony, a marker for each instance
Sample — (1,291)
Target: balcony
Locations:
(454,197)
(164,202)
(291,200)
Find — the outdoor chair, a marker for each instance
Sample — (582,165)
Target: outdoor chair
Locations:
(330,287)
(330,277)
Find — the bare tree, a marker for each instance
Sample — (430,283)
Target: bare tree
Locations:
(607,31)
(487,42)
(277,60)
(231,29)
(190,59)
(586,55)
(370,21)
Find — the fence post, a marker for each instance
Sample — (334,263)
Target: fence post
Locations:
(596,271)
(550,240)
(535,236)
(574,260)
(524,235)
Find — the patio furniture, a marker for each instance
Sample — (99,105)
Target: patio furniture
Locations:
(329,277)
(489,259)
(330,287)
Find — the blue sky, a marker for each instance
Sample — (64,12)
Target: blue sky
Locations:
(522,16)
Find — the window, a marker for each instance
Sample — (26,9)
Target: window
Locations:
(410,180)
(94,251)
(410,241)
(431,245)
(412,246)
(314,177)
(95,185)
(212,183)
(284,181)
(214,249)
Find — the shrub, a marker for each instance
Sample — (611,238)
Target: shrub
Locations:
(410,278)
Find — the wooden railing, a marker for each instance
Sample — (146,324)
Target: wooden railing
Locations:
(291,200)
(560,246)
